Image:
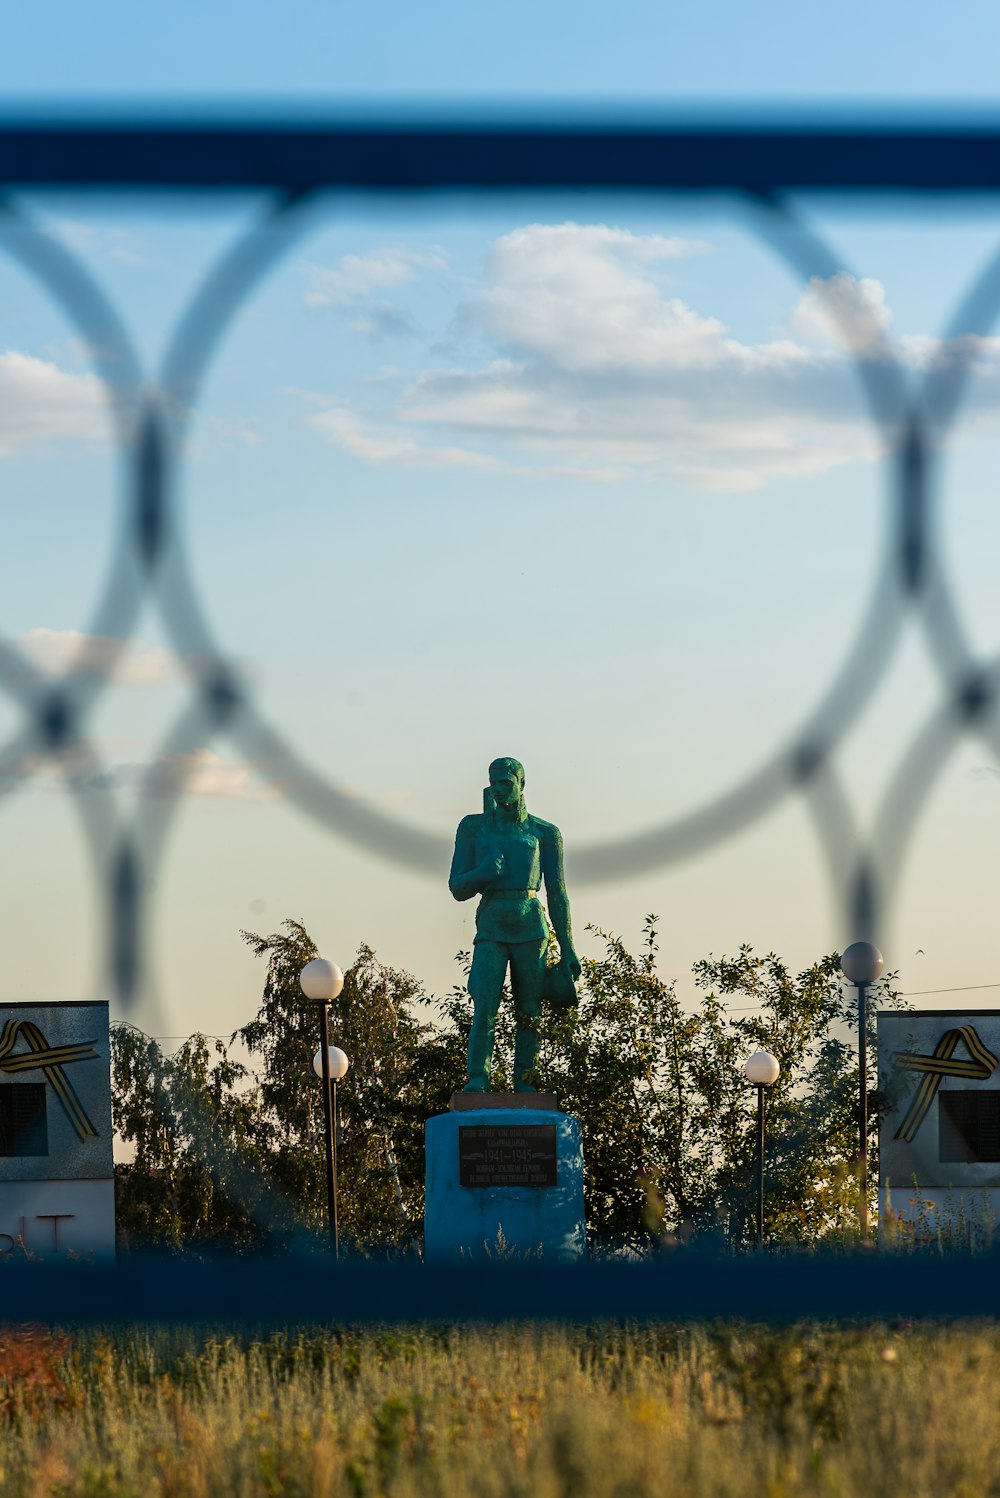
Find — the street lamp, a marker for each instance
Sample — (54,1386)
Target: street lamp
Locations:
(322,981)
(862,964)
(762,1070)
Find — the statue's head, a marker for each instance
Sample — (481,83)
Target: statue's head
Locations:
(507,782)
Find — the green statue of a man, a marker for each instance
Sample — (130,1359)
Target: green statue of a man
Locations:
(504,855)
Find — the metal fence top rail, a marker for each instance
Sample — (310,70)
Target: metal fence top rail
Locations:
(912,1014)
(398,153)
(685,1288)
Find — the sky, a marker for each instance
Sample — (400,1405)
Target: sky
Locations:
(587,479)
(712,52)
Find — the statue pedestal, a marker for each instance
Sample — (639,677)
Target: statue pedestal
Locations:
(504,1174)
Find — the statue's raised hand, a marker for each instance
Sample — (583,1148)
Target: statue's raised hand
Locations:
(491,868)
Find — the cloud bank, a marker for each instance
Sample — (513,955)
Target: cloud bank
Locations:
(354,277)
(601,371)
(39,403)
(126,663)
(202,773)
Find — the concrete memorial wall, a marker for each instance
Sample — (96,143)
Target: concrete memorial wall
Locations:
(57,1192)
(939,1141)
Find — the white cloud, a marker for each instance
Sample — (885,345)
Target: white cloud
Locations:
(39,402)
(585,296)
(115,244)
(373,445)
(235,431)
(354,277)
(601,371)
(84,767)
(59,651)
(205,773)
(202,773)
(382,320)
(846,311)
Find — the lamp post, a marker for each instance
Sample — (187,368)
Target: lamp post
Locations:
(334,1063)
(762,1071)
(861,964)
(322,981)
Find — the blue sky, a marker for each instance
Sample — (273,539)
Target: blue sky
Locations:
(776,50)
(585,479)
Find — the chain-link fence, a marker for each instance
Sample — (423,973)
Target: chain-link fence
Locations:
(299,171)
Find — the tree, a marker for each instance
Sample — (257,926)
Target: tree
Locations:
(384,1100)
(197,1178)
(228,1153)
(233,1153)
(809,1022)
(668,1118)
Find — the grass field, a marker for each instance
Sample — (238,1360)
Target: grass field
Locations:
(536,1411)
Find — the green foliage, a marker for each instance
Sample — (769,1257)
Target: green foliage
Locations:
(809,1022)
(198,1176)
(383,1100)
(233,1153)
(668,1118)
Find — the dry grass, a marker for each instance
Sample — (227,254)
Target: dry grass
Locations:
(536,1412)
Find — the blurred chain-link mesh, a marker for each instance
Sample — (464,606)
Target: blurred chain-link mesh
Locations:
(298,172)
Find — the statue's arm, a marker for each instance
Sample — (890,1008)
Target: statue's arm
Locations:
(468,878)
(557,899)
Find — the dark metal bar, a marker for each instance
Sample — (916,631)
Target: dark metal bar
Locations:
(760,1167)
(863,1108)
(418,153)
(336,1131)
(682,1286)
(328,1120)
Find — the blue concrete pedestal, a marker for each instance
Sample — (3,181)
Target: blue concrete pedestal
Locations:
(515,1172)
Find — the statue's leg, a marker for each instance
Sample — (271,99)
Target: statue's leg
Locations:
(489,968)
(527,968)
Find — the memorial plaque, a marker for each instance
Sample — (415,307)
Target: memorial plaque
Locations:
(507,1155)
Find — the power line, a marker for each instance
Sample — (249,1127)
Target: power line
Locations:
(915,993)
(910,993)
(190,1036)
